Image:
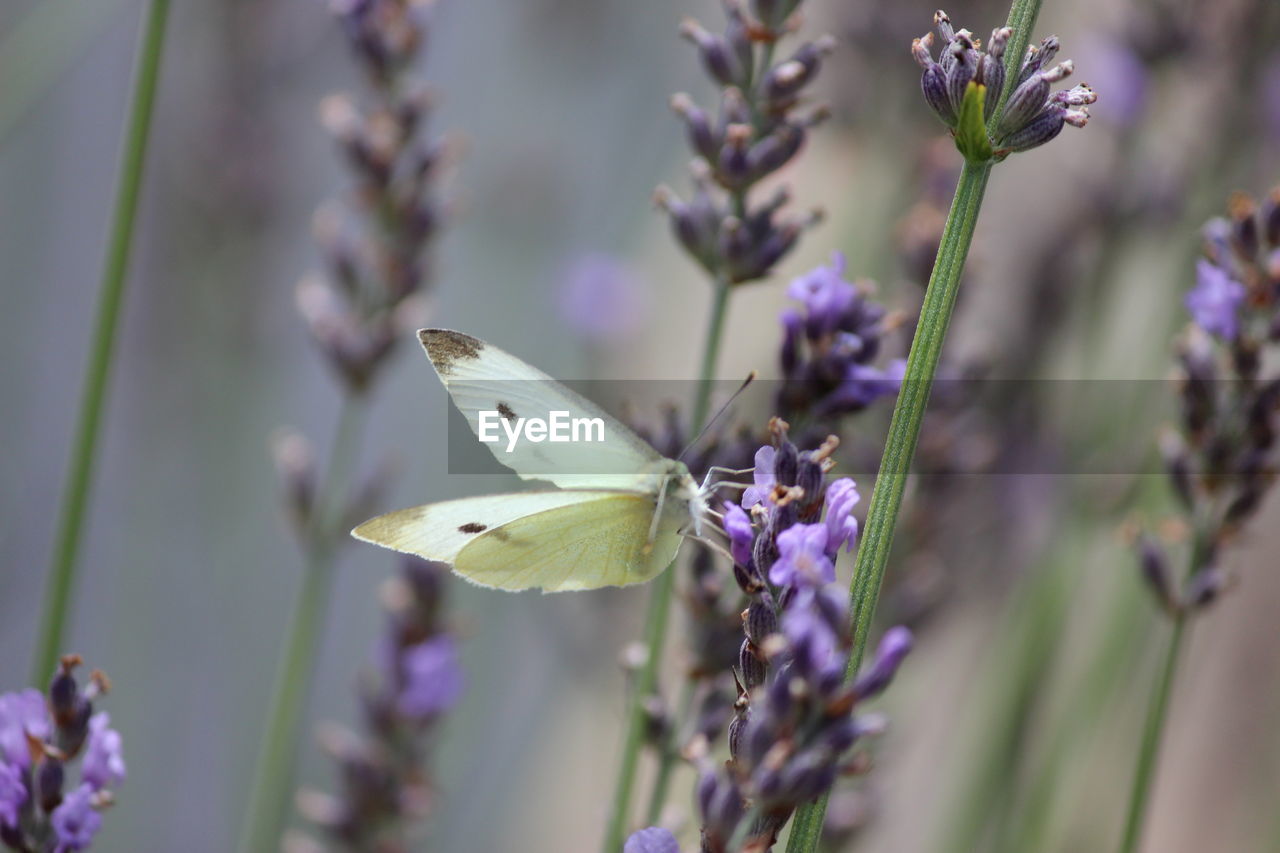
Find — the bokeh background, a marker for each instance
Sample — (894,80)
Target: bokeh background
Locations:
(1037,644)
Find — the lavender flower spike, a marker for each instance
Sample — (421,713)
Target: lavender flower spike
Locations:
(55,732)
(963,89)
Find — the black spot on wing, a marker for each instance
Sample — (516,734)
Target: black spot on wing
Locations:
(473,527)
(446,348)
(507,412)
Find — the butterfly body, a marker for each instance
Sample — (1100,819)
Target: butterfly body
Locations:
(617,518)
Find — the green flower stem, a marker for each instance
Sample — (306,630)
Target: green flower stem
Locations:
(1140,794)
(659,611)
(271,794)
(908,412)
(75,494)
(900,445)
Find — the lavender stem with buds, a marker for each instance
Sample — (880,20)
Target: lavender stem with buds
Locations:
(375,247)
(975,140)
(1221,459)
(761,126)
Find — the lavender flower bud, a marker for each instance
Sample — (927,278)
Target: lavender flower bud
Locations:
(750,665)
(49,779)
(714,52)
(760,621)
(894,646)
(1204,588)
(1155,571)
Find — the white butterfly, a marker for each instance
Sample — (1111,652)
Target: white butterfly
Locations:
(618,517)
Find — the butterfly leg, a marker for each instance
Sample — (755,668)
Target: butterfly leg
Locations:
(657,516)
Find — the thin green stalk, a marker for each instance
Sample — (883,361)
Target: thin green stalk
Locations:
(1152,733)
(659,611)
(900,445)
(913,399)
(75,493)
(271,794)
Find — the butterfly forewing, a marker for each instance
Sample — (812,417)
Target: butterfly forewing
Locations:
(482,378)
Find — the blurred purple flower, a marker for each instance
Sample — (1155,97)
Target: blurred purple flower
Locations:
(802,557)
(842,527)
(13,793)
(654,839)
(601,299)
(737,526)
(432,677)
(104,757)
(1116,69)
(826,296)
(1215,301)
(22,713)
(763,478)
(75,822)
(864,384)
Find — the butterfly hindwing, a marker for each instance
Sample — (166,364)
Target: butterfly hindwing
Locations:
(553,540)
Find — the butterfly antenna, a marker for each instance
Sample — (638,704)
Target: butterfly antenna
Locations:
(751,377)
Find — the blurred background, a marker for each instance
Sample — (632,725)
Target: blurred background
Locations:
(1014,723)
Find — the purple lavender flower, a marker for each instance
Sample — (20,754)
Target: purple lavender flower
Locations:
(813,641)
(601,299)
(654,839)
(763,479)
(737,526)
(22,714)
(863,384)
(1215,301)
(826,296)
(794,720)
(104,757)
(802,557)
(75,822)
(828,348)
(842,527)
(13,793)
(432,677)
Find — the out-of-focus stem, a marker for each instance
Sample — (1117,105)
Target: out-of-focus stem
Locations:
(271,795)
(1152,734)
(75,493)
(659,611)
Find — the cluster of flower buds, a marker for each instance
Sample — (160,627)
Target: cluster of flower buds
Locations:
(382,771)
(828,348)
(761,124)
(296,469)
(374,244)
(794,723)
(1222,456)
(964,85)
(41,740)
